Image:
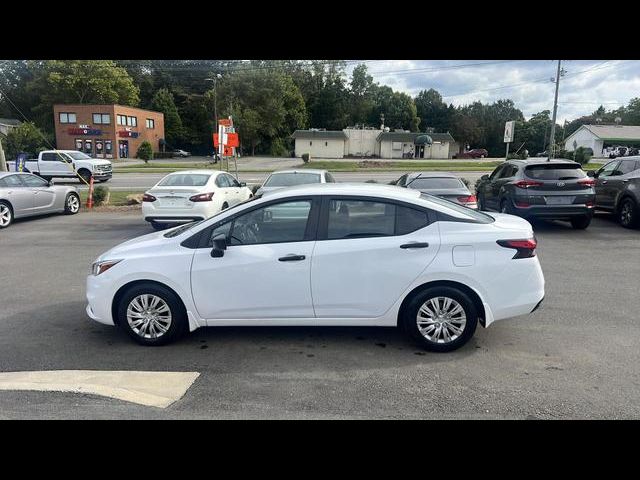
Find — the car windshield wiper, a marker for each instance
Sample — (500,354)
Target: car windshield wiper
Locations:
(413,180)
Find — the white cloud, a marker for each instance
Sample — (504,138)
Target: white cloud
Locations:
(586,84)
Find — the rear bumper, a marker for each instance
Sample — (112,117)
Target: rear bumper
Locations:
(555,212)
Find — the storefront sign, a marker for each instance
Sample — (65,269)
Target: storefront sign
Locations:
(124,133)
(84,131)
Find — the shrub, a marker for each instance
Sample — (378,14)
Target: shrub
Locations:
(145,151)
(100,194)
(306,157)
(279,148)
(583,155)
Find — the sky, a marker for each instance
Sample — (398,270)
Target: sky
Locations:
(585,86)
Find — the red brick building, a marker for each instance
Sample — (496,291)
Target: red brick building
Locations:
(107,131)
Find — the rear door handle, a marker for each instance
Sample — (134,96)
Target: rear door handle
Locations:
(292,258)
(415,245)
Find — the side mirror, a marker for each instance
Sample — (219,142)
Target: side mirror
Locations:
(591,173)
(50,182)
(484,177)
(243,184)
(219,245)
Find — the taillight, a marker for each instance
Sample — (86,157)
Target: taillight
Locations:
(527,183)
(202,197)
(587,182)
(526,248)
(521,204)
(148,198)
(468,199)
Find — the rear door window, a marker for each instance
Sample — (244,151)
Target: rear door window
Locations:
(554,172)
(608,169)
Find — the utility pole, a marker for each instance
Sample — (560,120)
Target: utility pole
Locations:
(552,138)
(3,163)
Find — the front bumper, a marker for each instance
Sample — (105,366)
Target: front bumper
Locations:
(102,175)
(172,219)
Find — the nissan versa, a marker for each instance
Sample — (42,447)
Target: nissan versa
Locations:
(324,254)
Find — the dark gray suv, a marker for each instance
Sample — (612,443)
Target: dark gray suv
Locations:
(553,190)
(618,189)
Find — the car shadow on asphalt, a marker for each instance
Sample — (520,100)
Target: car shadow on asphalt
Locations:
(61,336)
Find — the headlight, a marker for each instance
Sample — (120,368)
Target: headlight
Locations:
(100,267)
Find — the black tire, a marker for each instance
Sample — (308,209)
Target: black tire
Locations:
(506,206)
(580,223)
(410,313)
(179,321)
(628,214)
(481,204)
(85,176)
(70,208)
(158,226)
(6,211)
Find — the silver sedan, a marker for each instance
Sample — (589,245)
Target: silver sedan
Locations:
(25,195)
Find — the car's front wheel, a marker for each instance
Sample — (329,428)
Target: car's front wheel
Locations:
(152,314)
(628,215)
(6,215)
(440,319)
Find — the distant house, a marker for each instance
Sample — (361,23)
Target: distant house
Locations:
(600,137)
(368,142)
(7,124)
(412,144)
(319,143)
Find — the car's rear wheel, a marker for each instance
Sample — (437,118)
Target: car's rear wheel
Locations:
(6,214)
(440,319)
(628,213)
(152,314)
(580,223)
(158,226)
(72,204)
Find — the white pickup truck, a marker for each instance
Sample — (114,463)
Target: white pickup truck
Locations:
(67,164)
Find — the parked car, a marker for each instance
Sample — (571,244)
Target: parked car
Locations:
(386,257)
(25,195)
(191,195)
(554,190)
(474,153)
(67,164)
(618,190)
(441,184)
(181,153)
(290,178)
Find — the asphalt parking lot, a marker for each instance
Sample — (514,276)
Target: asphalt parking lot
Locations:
(576,357)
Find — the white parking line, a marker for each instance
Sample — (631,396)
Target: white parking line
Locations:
(154,389)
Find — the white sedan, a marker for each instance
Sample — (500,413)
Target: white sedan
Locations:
(328,254)
(191,195)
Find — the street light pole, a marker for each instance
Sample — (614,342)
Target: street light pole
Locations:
(552,138)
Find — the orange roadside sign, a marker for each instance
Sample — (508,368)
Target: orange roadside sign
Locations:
(225,122)
(232,140)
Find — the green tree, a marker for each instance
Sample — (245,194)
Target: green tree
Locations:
(398,108)
(145,151)
(362,88)
(433,112)
(163,102)
(27,138)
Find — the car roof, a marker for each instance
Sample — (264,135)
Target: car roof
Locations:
(5,174)
(302,170)
(540,161)
(202,172)
(433,175)
(353,189)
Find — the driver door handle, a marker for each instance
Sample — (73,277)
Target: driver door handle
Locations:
(292,258)
(415,245)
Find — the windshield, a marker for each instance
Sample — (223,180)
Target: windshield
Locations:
(291,179)
(554,172)
(79,156)
(184,180)
(457,210)
(435,183)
